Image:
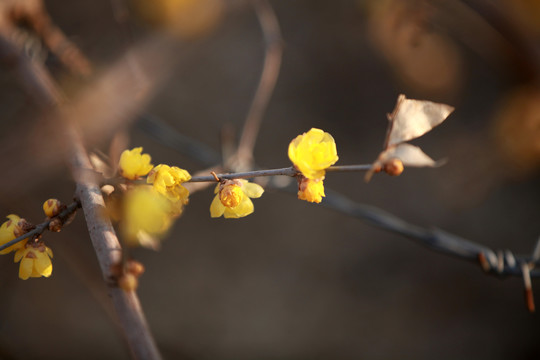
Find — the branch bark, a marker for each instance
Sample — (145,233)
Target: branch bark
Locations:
(109,252)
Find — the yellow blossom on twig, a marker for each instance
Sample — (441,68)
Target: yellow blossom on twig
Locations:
(35,260)
(133,164)
(310,190)
(167,181)
(313,152)
(9,231)
(146,216)
(232,198)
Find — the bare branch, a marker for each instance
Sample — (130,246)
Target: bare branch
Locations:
(272,63)
(434,239)
(109,252)
(169,136)
(288,171)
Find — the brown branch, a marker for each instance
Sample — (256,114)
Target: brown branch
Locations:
(109,252)
(40,228)
(36,78)
(34,14)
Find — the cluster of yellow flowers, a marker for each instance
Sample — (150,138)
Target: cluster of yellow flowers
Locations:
(33,255)
(147,209)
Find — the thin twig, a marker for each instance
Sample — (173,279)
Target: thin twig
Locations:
(288,171)
(267,82)
(40,228)
(434,239)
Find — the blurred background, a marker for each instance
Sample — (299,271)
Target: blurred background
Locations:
(296,280)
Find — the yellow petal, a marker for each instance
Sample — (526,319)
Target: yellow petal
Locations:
(19,255)
(43,264)
(253,190)
(26,267)
(216,208)
(243,209)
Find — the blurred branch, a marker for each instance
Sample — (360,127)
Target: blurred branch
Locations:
(108,250)
(272,63)
(109,253)
(34,14)
(172,138)
(39,229)
(34,76)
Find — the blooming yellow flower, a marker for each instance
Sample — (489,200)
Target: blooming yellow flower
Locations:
(51,207)
(147,216)
(313,152)
(133,164)
(168,181)
(35,260)
(9,231)
(310,190)
(232,198)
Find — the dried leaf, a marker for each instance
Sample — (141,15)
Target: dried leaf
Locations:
(414,118)
(409,155)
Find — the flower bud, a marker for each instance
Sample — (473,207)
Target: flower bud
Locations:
(134,267)
(393,167)
(128,282)
(51,207)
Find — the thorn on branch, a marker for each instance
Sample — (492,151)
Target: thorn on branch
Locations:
(215,176)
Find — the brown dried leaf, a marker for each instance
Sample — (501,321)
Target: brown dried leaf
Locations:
(409,155)
(413,118)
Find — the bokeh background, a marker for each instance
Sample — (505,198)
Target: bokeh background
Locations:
(296,280)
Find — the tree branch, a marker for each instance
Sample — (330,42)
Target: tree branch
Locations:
(39,229)
(109,253)
(267,82)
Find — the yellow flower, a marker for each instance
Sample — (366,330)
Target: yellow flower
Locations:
(9,231)
(147,216)
(313,152)
(310,190)
(51,207)
(133,164)
(35,260)
(168,181)
(232,198)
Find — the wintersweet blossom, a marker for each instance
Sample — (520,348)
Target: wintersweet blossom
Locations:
(310,190)
(51,207)
(167,181)
(9,231)
(35,260)
(133,164)
(313,152)
(232,198)
(146,216)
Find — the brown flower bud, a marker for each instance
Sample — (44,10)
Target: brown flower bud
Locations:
(55,225)
(393,167)
(128,282)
